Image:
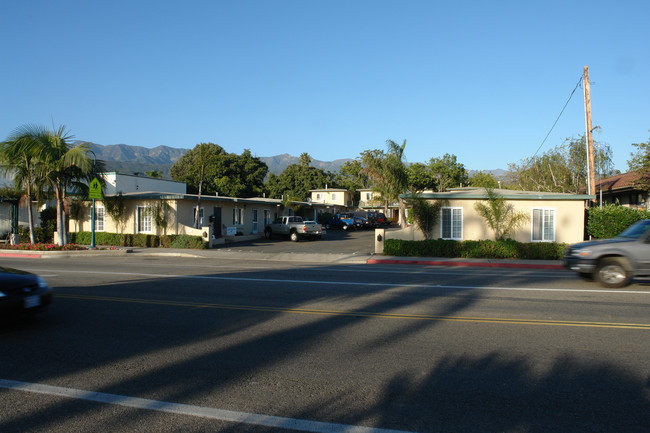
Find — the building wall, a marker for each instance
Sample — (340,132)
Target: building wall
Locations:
(336,197)
(180,217)
(568,220)
(23,217)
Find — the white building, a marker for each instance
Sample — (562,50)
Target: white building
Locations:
(127,183)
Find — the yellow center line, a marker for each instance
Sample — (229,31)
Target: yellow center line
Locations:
(369,314)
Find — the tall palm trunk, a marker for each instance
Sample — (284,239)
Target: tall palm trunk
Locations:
(59,216)
(30,217)
(402,214)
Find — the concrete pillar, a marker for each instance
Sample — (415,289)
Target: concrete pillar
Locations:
(380,237)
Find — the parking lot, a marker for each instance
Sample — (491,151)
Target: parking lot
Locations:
(333,242)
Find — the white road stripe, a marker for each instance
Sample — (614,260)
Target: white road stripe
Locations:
(198,411)
(352,283)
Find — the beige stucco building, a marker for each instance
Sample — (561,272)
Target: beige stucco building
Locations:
(332,196)
(220,218)
(552,217)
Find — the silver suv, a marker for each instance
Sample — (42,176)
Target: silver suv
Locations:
(613,262)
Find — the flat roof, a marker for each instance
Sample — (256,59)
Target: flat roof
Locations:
(508,194)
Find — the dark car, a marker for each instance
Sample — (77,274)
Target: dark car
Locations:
(613,262)
(377,219)
(22,293)
(335,223)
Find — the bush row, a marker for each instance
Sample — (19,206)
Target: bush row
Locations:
(507,249)
(611,220)
(140,240)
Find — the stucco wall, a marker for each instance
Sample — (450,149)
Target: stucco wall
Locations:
(569,221)
(180,217)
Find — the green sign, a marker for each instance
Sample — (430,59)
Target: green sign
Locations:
(95,189)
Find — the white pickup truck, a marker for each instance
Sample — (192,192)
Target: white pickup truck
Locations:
(294,227)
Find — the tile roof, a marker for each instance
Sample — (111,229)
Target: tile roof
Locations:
(621,181)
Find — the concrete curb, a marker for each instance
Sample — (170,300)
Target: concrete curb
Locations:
(425,262)
(291,257)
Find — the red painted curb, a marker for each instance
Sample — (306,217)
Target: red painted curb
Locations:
(32,256)
(467,264)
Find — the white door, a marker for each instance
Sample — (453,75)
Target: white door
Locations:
(254,221)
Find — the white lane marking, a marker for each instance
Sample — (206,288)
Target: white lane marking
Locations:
(186,409)
(352,283)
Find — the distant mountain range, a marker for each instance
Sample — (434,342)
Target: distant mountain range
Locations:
(136,159)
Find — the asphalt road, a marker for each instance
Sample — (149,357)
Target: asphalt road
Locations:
(334,242)
(171,344)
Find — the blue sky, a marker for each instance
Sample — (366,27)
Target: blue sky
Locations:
(481,80)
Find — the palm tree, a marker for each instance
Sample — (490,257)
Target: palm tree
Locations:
(17,157)
(388,171)
(61,164)
(501,216)
(373,162)
(396,176)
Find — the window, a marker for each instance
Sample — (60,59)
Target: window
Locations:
(145,220)
(543,229)
(451,223)
(368,196)
(335,197)
(200,216)
(237,217)
(99,219)
(267,216)
(319,197)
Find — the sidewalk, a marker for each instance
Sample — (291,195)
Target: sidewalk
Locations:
(222,253)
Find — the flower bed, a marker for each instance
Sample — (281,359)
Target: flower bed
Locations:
(44,247)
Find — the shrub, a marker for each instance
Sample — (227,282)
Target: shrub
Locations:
(139,240)
(612,219)
(486,249)
(187,241)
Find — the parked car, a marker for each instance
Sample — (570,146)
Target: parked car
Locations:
(335,223)
(294,227)
(377,219)
(613,262)
(22,293)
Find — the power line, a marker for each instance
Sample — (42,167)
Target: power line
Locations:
(560,115)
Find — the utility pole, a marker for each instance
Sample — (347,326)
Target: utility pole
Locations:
(589,140)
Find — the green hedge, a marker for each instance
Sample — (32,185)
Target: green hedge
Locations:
(507,249)
(612,219)
(139,240)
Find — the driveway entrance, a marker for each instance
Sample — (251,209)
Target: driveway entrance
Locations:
(333,242)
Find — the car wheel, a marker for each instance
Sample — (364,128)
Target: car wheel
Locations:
(293,236)
(611,273)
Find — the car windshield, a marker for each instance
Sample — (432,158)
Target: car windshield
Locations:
(636,230)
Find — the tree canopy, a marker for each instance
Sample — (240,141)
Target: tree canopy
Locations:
(640,163)
(209,169)
(297,180)
(561,169)
(448,172)
(483,179)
